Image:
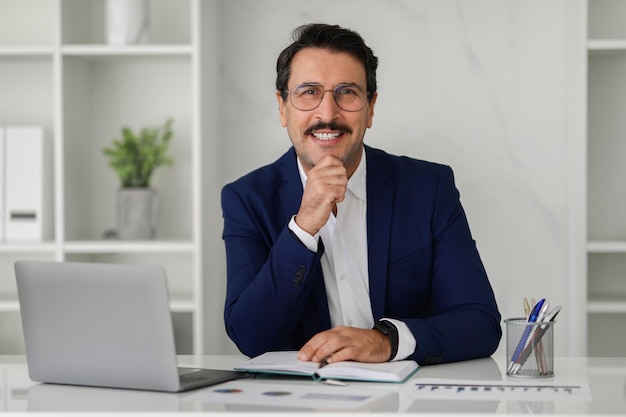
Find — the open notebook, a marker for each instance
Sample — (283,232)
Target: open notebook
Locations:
(287,363)
(105,325)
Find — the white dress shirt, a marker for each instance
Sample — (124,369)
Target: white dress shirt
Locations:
(344,262)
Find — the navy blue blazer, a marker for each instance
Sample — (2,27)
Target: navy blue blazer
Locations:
(424,268)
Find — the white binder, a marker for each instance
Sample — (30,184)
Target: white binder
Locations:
(27,185)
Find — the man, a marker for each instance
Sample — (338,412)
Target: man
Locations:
(335,236)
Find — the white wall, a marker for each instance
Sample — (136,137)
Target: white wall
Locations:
(480,85)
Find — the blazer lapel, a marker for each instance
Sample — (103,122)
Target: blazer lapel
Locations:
(379,211)
(291,186)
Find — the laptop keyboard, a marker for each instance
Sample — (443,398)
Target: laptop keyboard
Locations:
(186,371)
(190,377)
(193,375)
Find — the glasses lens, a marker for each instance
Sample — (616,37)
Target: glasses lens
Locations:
(307,97)
(350,97)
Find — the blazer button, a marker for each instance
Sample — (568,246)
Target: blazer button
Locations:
(432,360)
(301,268)
(296,282)
(299,276)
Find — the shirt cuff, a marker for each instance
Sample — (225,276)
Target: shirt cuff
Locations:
(307,240)
(406,340)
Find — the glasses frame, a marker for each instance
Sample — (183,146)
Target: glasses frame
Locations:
(334,91)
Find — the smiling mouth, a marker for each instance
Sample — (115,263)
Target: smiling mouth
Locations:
(326,136)
(336,130)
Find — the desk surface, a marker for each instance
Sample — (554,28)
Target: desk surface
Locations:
(602,383)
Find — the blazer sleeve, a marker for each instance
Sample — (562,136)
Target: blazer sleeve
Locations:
(270,275)
(462,320)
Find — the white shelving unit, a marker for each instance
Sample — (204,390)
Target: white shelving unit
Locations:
(57,71)
(606,178)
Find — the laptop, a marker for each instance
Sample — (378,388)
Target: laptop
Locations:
(105,325)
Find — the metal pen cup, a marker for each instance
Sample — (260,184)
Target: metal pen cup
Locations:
(529,348)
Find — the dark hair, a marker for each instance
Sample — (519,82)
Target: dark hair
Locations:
(332,37)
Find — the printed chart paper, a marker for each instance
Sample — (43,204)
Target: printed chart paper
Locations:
(314,396)
(495,390)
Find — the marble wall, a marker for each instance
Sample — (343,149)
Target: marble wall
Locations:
(480,85)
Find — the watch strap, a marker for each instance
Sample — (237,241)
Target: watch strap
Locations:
(389,329)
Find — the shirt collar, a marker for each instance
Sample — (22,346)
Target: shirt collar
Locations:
(356,183)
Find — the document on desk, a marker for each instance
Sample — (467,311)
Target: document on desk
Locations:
(447,389)
(265,395)
(287,363)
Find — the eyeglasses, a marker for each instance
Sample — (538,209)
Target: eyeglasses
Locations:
(307,97)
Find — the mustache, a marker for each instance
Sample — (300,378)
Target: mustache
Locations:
(338,127)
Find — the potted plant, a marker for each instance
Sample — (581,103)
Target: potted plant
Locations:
(134,157)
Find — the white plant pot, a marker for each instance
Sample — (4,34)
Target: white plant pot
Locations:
(137,213)
(126,21)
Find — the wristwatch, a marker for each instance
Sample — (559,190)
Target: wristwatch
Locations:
(389,329)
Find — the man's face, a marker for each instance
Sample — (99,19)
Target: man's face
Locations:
(327,129)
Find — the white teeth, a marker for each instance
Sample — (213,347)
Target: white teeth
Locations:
(326,136)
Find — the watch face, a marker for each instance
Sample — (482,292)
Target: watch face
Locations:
(384,326)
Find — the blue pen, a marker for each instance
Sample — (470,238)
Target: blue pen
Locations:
(540,316)
(522,342)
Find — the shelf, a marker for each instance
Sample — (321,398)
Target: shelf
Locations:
(177,305)
(117,246)
(607,305)
(59,72)
(27,247)
(181,304)
(133,50)
(603,77)
(26,51)
(9,305)
(606,45)
(599,246)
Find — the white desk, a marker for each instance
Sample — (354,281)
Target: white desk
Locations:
(606,378)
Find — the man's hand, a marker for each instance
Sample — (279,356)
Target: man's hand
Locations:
(347,343)
(326,186)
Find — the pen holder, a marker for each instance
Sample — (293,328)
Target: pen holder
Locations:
(529,348)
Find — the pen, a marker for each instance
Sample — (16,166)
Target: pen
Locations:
(324,362)
(543,311)
(551,315)
(539,347)
(335,382)
(526,307)
(522,342)
(540,317)
(535,311)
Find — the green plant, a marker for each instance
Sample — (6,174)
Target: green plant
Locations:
(134,157)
